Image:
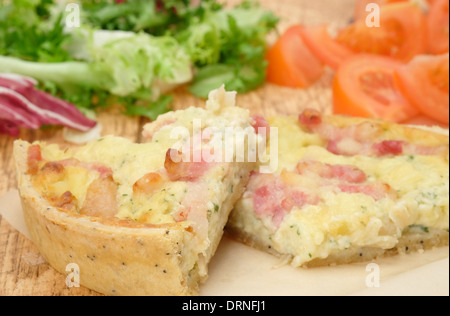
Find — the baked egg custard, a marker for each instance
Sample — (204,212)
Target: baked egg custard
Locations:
(347,190)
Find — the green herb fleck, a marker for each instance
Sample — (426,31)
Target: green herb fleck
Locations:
(421,227)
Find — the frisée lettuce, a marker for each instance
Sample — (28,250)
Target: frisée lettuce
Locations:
(135,51)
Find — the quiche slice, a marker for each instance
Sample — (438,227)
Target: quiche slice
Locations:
(347,190)
(136,218)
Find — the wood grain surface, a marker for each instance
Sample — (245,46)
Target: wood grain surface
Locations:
(24,272)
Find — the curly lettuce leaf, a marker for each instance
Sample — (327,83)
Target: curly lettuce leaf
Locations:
(28,31)
(229,47)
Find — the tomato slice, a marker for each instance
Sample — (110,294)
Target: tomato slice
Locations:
(438,27)
(320,42)
(291,63)
(425,82)
(365,86)
(401,35)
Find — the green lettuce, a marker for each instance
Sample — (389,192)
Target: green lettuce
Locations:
(137,65)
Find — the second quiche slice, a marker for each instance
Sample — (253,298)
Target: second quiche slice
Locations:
(347,190)
(135,218)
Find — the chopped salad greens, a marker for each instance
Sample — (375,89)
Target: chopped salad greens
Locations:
(136,51)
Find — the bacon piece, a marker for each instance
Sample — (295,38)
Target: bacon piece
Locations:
(277,202)
(388,147)
(352,179)
(332,147)
(346,173)
(34,158)
(104,171)
(149,183)
(267,202)
(67,202)
(101,199)
(409,149)
(53,167)
(376,190)
(272,198)
(295,199)
(310,117)
(261,126)
(278,216)
(179,170)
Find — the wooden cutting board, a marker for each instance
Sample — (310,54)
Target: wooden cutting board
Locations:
(24,272)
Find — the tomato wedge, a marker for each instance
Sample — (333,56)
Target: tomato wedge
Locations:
(425,82)
(365,86)
(291,63)
(320,42)
(438,27)
(401,35)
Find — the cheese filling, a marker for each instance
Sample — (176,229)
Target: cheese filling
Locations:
(320,202)
(117,179)
(148,186)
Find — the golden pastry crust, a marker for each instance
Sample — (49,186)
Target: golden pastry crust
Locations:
(113,258)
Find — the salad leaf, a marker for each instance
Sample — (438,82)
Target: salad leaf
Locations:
(152,16)
(86,99)
(229,47)
(29,32)
(22,105)
(139,65)
(152,109)
(136,50)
